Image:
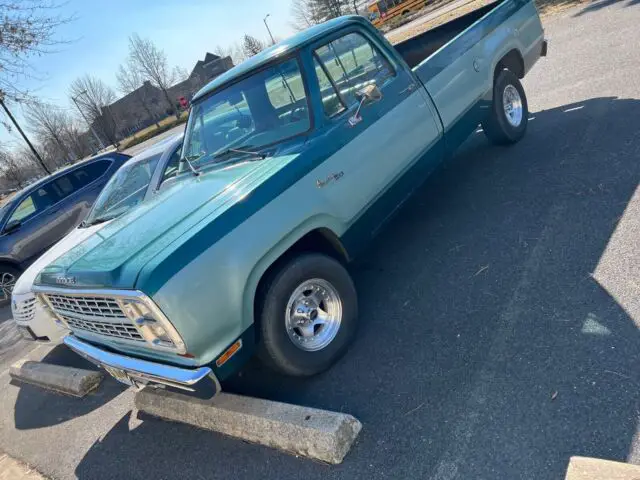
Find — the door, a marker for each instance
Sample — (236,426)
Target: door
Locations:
(389,135)
(35,224)
(79,189)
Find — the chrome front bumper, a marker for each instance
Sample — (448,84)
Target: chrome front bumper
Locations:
(199,382)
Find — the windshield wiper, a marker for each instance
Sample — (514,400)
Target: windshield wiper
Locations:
(243,149)
(189,158)
(98,221)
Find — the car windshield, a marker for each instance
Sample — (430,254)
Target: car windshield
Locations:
(125,190)
(266,108)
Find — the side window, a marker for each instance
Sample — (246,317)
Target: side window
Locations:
(86,174)
(353,63)
(35,203)
(171,170)
(26,209)
(330,99)
(63,185)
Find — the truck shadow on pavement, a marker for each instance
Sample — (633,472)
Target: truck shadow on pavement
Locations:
(38,408)
(498,325)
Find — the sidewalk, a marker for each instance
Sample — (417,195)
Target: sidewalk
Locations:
(11,469)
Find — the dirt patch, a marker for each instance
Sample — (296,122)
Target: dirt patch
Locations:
(406,33)
(545,7)
(551,7)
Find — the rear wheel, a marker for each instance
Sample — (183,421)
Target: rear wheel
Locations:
(507,122)
(8,277)
(307,315)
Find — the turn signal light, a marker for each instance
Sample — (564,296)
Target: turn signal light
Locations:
(230,352)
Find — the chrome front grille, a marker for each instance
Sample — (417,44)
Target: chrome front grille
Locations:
(110,329)
(98,315)
(98,307)
(25,311)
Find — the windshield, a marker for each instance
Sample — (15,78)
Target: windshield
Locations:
(125,190)
(265,108)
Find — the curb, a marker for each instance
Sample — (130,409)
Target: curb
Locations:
(308,432)
(585,468)
(71,381)
(12,469)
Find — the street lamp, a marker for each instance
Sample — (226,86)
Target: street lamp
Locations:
(74,100)
(273,42)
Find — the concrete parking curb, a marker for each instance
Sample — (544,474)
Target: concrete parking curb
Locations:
(12,469)
(67,380)
(309,432)
(584,468)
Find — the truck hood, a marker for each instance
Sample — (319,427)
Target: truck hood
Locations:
(73,238)
(115,255)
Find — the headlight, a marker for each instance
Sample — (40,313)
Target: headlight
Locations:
(152,325)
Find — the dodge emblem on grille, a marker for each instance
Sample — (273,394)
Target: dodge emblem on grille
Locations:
(66,280)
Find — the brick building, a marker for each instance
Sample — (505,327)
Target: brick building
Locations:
(147,104)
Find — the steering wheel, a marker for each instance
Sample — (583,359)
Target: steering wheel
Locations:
(297,114)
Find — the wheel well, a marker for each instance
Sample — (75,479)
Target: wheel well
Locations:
(512,61)
(10,263)
(321,240)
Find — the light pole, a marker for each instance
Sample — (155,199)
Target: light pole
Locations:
(26,139)
(273,42)
(73,99)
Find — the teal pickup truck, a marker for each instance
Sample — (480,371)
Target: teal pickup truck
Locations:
(291,162)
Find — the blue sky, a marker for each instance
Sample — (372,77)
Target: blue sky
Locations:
(185,29)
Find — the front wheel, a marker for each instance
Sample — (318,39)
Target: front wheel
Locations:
(509,116)
(307,315)
(8,277)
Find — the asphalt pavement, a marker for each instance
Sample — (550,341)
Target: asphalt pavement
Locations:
(499,311)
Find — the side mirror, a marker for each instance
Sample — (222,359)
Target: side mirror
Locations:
(12,226)
(369,94)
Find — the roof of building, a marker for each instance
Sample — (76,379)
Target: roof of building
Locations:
(278,50)
(210,57)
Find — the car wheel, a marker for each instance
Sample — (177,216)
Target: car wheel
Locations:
(8,277)
(507,122)
(307,315)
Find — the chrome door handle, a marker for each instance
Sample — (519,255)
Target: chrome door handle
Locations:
(410,88)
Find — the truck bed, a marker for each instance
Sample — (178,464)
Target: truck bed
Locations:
(455,62)
(422,46)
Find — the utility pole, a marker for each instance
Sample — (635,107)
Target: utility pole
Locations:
(73,99)
(33,150)
(273,42)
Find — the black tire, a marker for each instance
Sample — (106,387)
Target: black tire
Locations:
(497,127)
(276,348)
(5,293)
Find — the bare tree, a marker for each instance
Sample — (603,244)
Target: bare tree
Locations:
(151,63)
(27,29)
(307,13)
(234,51)
(48,122)
(15,167)
(180,74)
(130,80)
(93,97)
(252,46)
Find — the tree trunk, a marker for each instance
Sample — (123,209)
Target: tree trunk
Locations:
(143,104)
(173,108)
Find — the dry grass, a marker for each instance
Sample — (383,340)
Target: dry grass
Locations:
(149,132)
